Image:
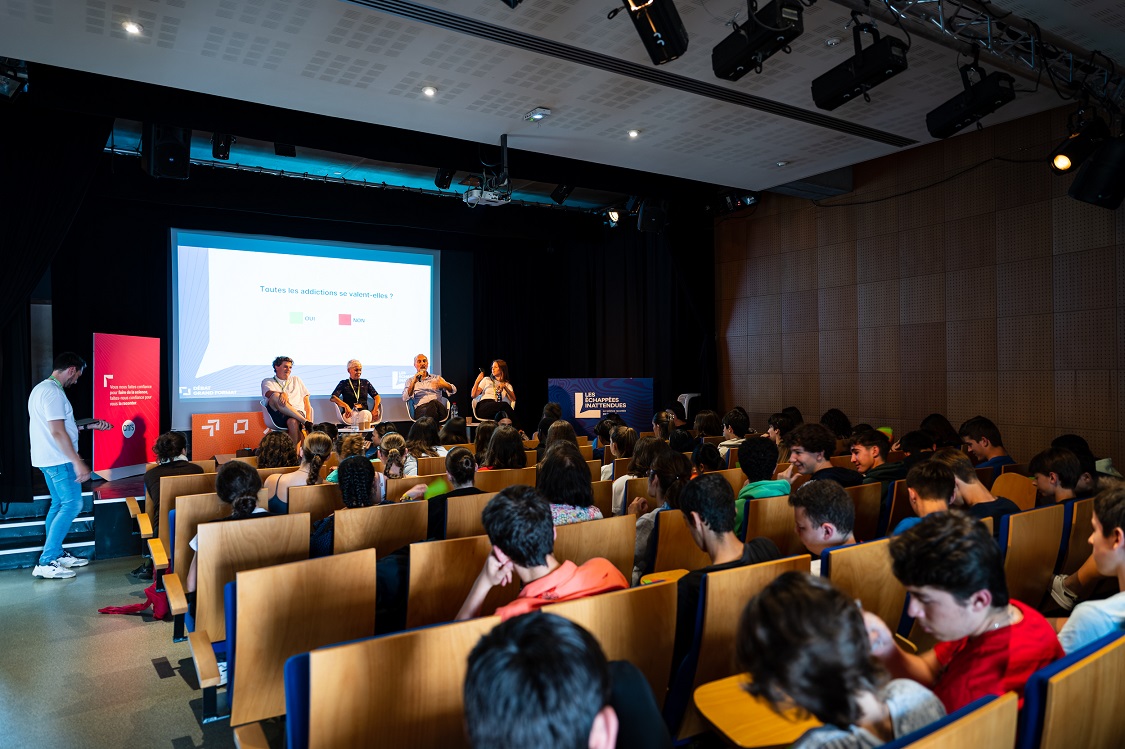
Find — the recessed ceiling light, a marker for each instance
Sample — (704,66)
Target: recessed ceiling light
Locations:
(832,41)
(132,27)
(634,133)
(783,163)
(429,90)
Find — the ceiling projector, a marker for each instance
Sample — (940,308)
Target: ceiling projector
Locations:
(478,196)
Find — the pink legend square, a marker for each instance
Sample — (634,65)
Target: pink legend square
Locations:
(345,319)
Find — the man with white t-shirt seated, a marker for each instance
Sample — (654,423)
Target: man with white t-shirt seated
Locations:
(1094,619)
(287,400)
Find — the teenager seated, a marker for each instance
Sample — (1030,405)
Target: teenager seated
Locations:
(811,447)
(505,451)
(518,524)
(758,460)
(804,644)
(314,451)
(1094,619)
(824,516)
(645,451)
(353,444)
(356,477)
(705,457)
(460,472)
(984,443)
(930,486)
(237,483)
(564,479)
(171,456)
(396,463)
(483,436)
(969,493)
(622,442)
(277,450)
(987,643)
(669,474)
(454,432)
(1056,472)
(869,450)
(424,440)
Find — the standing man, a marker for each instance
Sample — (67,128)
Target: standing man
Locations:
(425,389)
(287,400)
(54,451)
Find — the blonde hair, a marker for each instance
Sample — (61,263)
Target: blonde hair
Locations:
(352,445)
(316,449)
(393,451)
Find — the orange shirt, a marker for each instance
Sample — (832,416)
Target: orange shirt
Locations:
(566,583)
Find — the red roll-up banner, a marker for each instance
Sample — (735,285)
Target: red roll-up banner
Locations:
(126,394)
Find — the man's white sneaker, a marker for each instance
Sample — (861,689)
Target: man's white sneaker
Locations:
(1062,594)
(54,570)
(68,560)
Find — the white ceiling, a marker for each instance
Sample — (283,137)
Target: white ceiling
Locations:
(344,60)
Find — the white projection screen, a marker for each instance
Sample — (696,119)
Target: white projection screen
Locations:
(238,301)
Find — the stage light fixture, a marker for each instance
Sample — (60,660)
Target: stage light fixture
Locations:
(660,28)
(13,77)
(767,32)
(561,193)
(1086,135)
(1101,180)
(882,59)
(612,216)
(220,146)
(444,178)
(978,100)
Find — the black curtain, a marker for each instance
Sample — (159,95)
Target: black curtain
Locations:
(46,164)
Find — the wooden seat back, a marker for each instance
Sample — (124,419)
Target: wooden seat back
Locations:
(1031,548)
(293,608)
(462,515)
(587,451)
(727,593)
(772,517)
(441,575)
(264,473)
(249,459)
(494,481)
(318,500)
(613,538)
(171,489)
(1016,487)
(986,476)
(1078,548)
(1020,468)
(428,466)
(1094,690)
(614,619)
(868,501)
(603,496)
(865,572)
(896,456)
(383,528)
(900,505)
(735,477)
(713,440)
(639,488)
(991,725)
(355,702)
(397,487)
(841,461)
(675,549)
(530,444)
(595,467)
(620,467)
(193,511)
(532,457)
(208,466)
(226,549)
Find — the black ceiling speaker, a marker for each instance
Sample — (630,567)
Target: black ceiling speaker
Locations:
(165,151)
(1101,180)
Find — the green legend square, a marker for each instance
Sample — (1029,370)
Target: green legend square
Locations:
(296,318)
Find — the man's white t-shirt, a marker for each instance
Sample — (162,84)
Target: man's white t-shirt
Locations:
(293,387)
(48,403)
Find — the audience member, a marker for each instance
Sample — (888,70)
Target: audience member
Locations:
(1092,620)
(984,443)
(541,435)
(603,434)
(681,441)
(804,643)
(1087,485)
(644,452)
(170,450)
(705,457)
(987,644)
(561,431)
(824,515)
(708,424)
(930,485)
(482,437)
(669,474)
(622,441)
(794,415)
(662,425)
(735,426)
(237,483)
(564,479)
(423,440)
(679,415)
(460,470)
(505,450)
(315,450)
(941,430)
(707,504)
(758,461)
(778,428)
(916,446)
(327,427)
(1055,472)
(353,444)
(810,453)
(277,450)
(968,491)
(870,450)
(841,426)
(454,432)
(356,477)
(518,523)
(396,463)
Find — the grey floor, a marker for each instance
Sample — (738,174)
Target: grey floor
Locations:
(71,677)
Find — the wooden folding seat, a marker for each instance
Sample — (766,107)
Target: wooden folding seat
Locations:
(428,466)
(713,440)
(441,576)
(735,477)
(249,459)
(896,456)
(613,538)
(171,488)
(494,481)
(397,487)
(987,722)
(986,476)
(1020,468)
(1030,541)
(900,508)
(1078,518)
(772,517)
(603,496)
(1020,489)
(722,597)
(865,573)
(384,528)
(671,546)
(284,610)
(841,461)
(318,500)
(462,515)
(868,501)
(587,451)
(620,467)
(531,456)
(639,488)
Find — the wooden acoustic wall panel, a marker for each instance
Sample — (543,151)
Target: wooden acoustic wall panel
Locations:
(802,227)
(802,391)
(838,390)
(763,353)
(1077,226)
(970,394)
(1086,340)
(1024,288)
(1119,260)
(919,208)
(1085,400)
(922,299)
(836,265)
(1023,442)
(1023,233)
(763,276)
(970,195)
(880,397)
(1022,343)
(798,270)
(1021,184)
(732,317)
(875,218)
(763,314)
(921,251)
(971,344)
(835,225)
(764,391)
(731,276)
(878,349)
(877,304)
(922,394)
(876,258)
(730,240)
(799,312)
(735,353)
(922,348)
(1081,280)
(972,148)
(971,294)
(971,243)
(837,308)
(839,351)
(800,352)
(1023,397)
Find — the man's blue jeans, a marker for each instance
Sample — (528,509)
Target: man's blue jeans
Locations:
(66,503)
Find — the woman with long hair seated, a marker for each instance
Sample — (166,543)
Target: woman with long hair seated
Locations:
(237,483)
(670,473)
(643,454)
(805,645)
(622,441)
(705,457)
(662,425)
(505,450)
(454,432)
(708,424)
(564,479)
(356,477)
(314,451)
(493,392)
(460,470)
(353,444)
(396,463)
(484,433)
(171,460)
(424,441)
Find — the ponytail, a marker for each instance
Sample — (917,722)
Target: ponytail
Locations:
(394,459)
(317,448)
(244,506)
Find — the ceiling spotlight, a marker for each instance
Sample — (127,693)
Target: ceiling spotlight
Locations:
(429,90)
(660,28)
(132,27)
(444,178)
(768,32)
(783,163)
(612,216)
(978,100)
(561,193)
(537,114)
(1085,138)
(854,77)
(1101,180)
(220,146)
(633,133)
(832,41)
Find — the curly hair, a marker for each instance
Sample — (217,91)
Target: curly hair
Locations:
(803,641)
(237,483)
(352,445)
(950,551)
(277,451)
(356,476)
(169,446)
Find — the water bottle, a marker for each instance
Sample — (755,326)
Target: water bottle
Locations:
(453,410)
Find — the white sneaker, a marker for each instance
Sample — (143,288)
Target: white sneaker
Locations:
(68,560)
(1063,596)
(54,570)
(222,673)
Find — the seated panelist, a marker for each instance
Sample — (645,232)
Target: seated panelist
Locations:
(287,400)
(493,392)
(424,388)
(353,395)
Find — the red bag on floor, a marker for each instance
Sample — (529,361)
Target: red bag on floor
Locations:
(158,601)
